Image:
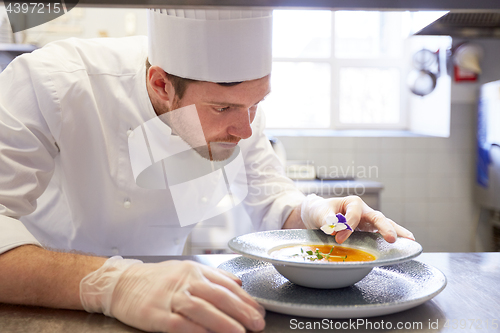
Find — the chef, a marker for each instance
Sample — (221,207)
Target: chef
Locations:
(113,147)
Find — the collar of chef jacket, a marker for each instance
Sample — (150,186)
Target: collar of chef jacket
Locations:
(200,188)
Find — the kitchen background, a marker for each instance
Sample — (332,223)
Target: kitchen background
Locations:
(428,182)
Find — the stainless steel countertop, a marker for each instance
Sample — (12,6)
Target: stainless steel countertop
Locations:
(471,298)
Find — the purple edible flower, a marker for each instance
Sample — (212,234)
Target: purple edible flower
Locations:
(342,219)
(335,223)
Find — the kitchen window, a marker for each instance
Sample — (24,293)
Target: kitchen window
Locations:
(341,69)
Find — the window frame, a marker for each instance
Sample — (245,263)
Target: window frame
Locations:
(336,64)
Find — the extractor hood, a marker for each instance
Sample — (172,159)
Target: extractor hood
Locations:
(466,25)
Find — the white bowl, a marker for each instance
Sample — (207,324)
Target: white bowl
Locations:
(324,275)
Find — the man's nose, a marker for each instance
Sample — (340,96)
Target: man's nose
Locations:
(241,126)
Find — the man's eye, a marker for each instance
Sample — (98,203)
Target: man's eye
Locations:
(222,109)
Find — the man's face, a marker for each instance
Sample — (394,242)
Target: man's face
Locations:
(225,113)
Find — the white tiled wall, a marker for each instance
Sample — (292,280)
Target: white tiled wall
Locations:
(428,181)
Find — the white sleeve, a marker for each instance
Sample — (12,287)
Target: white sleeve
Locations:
(271,195)
(27,148)
(13,233)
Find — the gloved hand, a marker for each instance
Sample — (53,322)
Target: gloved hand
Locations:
(173,296)
(315,210)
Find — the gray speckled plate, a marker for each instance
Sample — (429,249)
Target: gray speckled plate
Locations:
(259,245)
(385,290)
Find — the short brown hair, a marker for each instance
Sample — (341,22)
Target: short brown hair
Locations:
(180,84)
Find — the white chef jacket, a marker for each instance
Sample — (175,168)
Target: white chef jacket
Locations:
(66,182)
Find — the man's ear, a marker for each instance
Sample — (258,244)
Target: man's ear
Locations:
(161,85)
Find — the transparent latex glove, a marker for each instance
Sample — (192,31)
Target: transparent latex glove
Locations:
(315,210)
(172,296)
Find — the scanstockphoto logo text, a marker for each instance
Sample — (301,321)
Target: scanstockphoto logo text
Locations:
(359,324)
(258,188)
(24,15)
(350,173)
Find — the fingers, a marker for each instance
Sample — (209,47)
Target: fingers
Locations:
(389,229)
(214,276)
(230,275)
(184,296)
(357,211)
(342,236)
(201,306)
(229,303)
(353,210)
(401,231)
(353,206)
(385,228)
(173,323)
(219,288)
(203,313)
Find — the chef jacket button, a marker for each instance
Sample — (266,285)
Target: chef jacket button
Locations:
(130,133)
(127,204)
(204,199)
(115,251)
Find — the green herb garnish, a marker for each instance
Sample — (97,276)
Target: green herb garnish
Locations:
(316,255)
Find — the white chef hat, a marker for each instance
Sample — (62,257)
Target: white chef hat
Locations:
(211,45)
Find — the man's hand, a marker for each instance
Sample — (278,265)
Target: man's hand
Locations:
(359,215)
(173,296)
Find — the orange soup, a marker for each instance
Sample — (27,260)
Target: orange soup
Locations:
(322,253)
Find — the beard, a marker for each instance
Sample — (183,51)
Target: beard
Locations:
(221,149)
(187,125)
